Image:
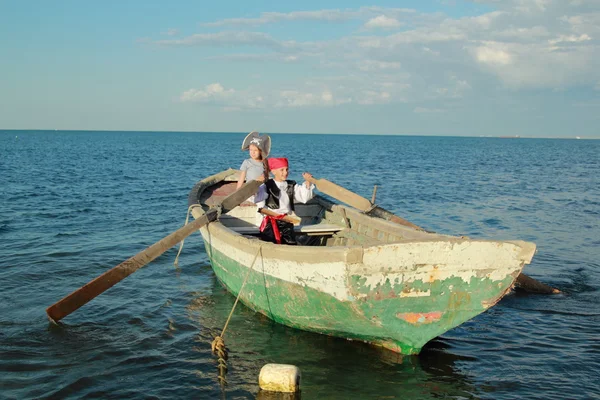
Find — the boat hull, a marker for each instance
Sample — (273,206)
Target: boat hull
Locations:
(398,295)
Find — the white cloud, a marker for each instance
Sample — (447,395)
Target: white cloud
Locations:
(523,44)
(570,39)
(373,65)
(295,98)
(382,21)
(265,58)
(273,17)
(420,36)
(453,89)
(523,6)
(229,39)
(212,92)
(317,15)
(228,99)
(541,66)
(523,33)
(232,100)
(425,110)
(171,32)
(493,53)
(374,97)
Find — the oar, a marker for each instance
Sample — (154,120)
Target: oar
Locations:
(346,196)
(113,276)
(342,194)
(530,285)
(288,218)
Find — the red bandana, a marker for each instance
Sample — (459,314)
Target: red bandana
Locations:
(275,163)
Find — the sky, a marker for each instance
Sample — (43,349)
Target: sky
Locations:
(449,67)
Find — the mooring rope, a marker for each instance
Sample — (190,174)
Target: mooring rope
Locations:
(218,344)
(187,218)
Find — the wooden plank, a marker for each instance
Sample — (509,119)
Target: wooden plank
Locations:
(316,228)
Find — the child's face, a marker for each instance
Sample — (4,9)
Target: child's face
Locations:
(254,152)
(280,174)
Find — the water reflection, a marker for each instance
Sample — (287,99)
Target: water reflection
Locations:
(331,367)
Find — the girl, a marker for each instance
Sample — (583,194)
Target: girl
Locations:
(255,167)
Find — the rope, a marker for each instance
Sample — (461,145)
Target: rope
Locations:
(187,218)
(240,292)
(218,344)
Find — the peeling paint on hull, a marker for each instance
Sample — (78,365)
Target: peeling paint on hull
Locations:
(374,280)
(381,316)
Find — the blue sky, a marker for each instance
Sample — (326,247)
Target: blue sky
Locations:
(447,67)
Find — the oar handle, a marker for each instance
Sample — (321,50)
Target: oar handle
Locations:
(288,218)
(359,202)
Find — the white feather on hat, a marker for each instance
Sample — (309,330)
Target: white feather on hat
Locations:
(263,142)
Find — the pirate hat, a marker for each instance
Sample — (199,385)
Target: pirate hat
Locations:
(263,142)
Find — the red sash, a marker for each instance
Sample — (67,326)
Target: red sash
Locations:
(273,221)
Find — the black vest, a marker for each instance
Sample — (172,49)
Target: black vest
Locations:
(274,192)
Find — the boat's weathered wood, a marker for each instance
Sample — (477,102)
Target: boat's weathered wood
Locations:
(379,212)
(113,276)
(309,229)
(523,282)
(391,285)
(530,285)
(348,197)
(398,295)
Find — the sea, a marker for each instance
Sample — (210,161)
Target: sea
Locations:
(75,204)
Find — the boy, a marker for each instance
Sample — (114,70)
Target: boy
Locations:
(279,195)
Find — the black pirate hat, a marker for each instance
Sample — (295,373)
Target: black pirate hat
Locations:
(263,142)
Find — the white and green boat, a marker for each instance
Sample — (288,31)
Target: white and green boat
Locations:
(356,276)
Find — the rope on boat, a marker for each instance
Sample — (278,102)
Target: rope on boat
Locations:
(187,218)
(218,344)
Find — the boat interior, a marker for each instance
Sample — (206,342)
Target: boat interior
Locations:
(322,222)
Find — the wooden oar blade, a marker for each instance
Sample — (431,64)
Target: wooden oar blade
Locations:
(113,276)
(342,194)
(528,284)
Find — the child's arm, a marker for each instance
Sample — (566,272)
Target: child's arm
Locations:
(241,180)
(307,176)
(304,193)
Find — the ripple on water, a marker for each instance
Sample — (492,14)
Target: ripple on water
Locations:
(92,200)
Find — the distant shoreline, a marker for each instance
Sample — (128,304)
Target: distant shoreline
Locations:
(304,133)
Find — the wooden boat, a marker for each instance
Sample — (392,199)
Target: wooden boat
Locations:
(354,275)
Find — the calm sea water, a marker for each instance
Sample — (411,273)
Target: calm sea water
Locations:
(74,204)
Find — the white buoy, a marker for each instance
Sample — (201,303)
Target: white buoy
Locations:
(279,378)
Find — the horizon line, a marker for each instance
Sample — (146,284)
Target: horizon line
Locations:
(576,137)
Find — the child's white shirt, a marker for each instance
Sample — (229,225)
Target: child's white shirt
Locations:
(302,194)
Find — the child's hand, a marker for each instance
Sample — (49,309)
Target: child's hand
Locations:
(261,178)
(307,176)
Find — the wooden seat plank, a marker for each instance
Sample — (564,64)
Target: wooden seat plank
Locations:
(315,228)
